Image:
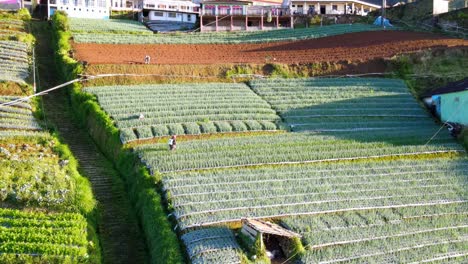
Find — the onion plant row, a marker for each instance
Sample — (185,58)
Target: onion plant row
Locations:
(364,104)
(212,245)
(18,117)
(296,148)
(14,61)
(118,34)
(148,111)
(220,196)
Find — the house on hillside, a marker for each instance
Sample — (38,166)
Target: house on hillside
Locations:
(169,15)
(449,103)
(334,7)
(235,15)
(125,5)
(99,9)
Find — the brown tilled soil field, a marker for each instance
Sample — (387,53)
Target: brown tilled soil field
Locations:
(348,47)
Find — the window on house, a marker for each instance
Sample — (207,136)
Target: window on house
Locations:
(171,15)
(158,14)
(293,6)
(161,6)
(189,18)
(334,7)
(172,7)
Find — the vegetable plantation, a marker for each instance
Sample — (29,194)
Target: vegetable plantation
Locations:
(46,237)
(88,25)
(148,111)
(212,245)
(387,235)
(339,105)
(14,61)
(94,34)
(18,116)
(205,198)
(292,148)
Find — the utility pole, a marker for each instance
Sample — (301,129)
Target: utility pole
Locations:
(384,4)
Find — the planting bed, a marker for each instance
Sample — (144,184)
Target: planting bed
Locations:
(212,246)
(184,109)
(351,47)
(123,32)
(339,105)
(205,198)
(18,116)
(411,234)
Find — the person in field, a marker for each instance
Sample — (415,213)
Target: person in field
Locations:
(172,142)
(147,59)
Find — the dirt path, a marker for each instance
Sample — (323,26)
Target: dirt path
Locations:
(348,47)
(120,237)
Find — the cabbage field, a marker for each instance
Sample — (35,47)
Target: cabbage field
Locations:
(147,111)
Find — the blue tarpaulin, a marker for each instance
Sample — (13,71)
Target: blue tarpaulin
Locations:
(378,22)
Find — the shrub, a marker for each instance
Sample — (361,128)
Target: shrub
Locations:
(160,130)
(60,20)
(223,126)
(192,128)
(207,127)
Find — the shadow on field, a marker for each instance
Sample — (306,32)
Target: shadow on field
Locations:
(394,119)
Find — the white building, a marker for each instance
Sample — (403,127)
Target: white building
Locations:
(99,9)
(440,7)
(171,10)
(333,7)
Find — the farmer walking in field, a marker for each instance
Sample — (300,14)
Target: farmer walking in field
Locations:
(172,143)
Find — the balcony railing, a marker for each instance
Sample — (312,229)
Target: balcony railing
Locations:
(249,11)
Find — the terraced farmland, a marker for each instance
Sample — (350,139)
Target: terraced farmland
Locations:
(36,237)
(407,235)
(205,198)
(119,32)
(212,245)
(339,105)
(148,111)
(14,62)
(18,116)
(36,174)
(108,26)
(292,148)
